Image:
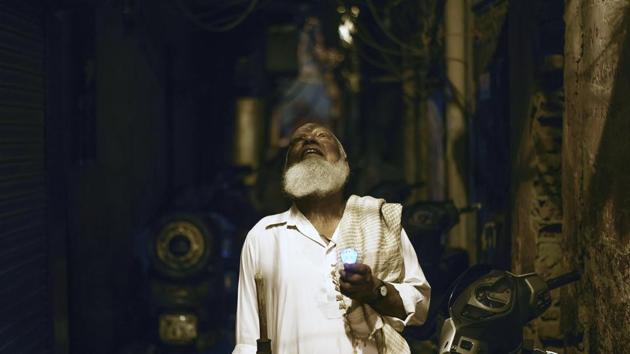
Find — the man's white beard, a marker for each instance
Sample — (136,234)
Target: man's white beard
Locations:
(315,177)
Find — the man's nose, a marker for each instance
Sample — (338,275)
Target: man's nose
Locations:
(310,139)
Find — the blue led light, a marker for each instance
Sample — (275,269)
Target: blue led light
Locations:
(349,255)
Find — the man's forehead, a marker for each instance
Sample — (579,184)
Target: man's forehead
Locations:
(309,127)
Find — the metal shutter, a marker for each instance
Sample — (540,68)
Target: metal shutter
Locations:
(25,323)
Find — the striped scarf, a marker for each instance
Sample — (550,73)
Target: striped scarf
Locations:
(372,227)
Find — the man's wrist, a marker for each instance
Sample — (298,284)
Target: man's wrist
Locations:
(387,300)
(377,292)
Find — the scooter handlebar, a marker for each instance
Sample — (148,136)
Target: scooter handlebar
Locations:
(563,279)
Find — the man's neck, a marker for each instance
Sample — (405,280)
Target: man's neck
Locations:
(323,212)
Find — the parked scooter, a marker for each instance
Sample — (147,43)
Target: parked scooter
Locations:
(488,310)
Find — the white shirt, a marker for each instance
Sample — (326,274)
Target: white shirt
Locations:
(303,308)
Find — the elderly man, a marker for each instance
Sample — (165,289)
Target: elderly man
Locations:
(319,300)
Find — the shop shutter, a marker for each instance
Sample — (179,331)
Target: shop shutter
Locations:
(25,321)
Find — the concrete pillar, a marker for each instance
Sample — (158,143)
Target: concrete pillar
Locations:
(596,172)
(457,66)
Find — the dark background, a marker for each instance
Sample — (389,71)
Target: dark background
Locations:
(116,114)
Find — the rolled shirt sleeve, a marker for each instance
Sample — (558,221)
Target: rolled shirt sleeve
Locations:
(247,307)
(414,291)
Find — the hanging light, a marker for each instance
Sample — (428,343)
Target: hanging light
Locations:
(346,30)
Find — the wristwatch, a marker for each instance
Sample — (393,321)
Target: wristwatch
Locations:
(381,291)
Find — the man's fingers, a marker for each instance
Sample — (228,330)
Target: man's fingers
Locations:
(355,292)
(347,289)
(358,268)
(353,278)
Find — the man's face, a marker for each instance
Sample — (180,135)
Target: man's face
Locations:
(312,141)
(315,164)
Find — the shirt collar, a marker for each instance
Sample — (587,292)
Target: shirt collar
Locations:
(296,220)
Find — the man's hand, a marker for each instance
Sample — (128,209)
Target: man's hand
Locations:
(356,282)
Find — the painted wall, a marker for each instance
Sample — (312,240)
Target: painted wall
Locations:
(596,164)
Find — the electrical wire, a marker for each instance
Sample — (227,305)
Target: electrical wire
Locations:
(377,64)
(232,23)
(364,37)
(391,36)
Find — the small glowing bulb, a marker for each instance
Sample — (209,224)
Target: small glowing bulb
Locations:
(346,29)
(349,255)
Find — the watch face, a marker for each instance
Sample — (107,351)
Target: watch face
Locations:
(383,290)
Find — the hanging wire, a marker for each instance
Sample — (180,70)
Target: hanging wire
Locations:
(365,38)
(388,34)
(377,64)
(215,27)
